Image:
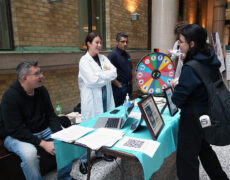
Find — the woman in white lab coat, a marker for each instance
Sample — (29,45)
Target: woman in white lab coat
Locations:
(94,80)
(93,77)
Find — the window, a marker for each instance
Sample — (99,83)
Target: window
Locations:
(6,38)
(91,18)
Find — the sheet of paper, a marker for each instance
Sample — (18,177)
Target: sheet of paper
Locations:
(101,137)
(149,147)
(73,114)
(135,115)
(160,106)
(74,117)
(71,133)
(159,99)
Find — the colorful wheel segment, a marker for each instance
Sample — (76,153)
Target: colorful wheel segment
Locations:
(154,73)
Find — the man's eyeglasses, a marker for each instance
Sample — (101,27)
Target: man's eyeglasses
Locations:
(124,42)
(37,73)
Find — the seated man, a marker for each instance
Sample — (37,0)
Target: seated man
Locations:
(29,120)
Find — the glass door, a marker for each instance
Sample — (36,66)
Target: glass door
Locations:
(91,18)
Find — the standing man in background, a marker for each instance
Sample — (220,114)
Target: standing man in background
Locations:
(121,60)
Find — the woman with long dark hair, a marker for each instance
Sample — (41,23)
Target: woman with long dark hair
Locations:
(191,96)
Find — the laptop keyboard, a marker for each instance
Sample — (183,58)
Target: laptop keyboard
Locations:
(112,123)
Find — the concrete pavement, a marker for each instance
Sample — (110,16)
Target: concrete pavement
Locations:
(102,170)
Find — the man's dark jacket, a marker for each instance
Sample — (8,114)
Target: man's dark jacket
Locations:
(24,115)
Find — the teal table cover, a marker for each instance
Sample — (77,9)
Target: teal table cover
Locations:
(66,153)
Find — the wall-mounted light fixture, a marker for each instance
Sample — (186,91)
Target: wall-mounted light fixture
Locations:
(52,1)
(134,16)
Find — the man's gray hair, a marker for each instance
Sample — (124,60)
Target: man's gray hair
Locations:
(24,68)
(120,35)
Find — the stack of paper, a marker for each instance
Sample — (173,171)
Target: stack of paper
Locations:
(101,137)
(71,133)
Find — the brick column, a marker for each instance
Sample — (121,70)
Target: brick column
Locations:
(164,17)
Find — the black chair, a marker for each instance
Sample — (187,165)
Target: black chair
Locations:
(64,121)
(77,108)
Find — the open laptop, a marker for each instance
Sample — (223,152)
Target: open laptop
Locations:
(114,122)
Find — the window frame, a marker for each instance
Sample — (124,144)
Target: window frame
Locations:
(9,26)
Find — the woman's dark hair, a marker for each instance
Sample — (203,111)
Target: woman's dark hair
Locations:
(197,34)
(180,25)
(90,37)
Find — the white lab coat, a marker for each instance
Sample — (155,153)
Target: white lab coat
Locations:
(91,79)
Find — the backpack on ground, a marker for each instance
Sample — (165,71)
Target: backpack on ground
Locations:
(219,107)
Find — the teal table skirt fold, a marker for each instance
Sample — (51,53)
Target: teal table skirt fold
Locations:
(66,153)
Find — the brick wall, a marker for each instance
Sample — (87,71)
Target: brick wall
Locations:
(61,84)
(5,81)
(118,20)
(39,23)
(63,87)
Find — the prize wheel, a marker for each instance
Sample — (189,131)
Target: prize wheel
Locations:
(154,73)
